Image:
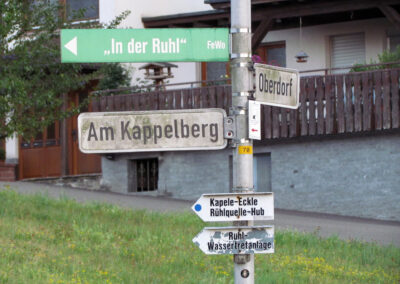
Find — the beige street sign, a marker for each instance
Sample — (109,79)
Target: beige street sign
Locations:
(143,131)
(277,86)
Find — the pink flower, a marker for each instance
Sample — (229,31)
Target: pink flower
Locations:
(257,59)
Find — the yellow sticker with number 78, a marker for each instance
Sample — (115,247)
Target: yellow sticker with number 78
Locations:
(245,149)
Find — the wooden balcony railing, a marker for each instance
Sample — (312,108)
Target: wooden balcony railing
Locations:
(331,104)
(218,96)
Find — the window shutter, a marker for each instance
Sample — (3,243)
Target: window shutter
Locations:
(347,50)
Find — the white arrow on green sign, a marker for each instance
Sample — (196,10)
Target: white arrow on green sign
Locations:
(144,45)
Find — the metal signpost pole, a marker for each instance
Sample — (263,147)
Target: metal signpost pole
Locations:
(242,145)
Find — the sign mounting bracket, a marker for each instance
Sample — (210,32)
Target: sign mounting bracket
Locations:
(230,127)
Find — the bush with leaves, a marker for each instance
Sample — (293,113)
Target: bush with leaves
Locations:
(384,57)
(32,78)
(114,76)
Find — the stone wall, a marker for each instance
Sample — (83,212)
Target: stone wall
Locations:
(347,176)
(355,176)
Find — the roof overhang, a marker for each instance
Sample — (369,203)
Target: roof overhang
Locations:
(268,15)
(223,4)
(197,19)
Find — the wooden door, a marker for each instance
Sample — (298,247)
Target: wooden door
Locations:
(41,155)
(80,163)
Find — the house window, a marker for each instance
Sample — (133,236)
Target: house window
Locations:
(90,9)
(273,53)
(49,137)
(393,40)
(143,175)
(78,9)
(53,134)
(212,71)
(347,50)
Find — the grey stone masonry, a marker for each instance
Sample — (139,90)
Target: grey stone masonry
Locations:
(351,176)
(354,176)
(189,174)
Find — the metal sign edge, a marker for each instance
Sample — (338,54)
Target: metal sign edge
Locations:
(235,194)
(238,228)
(111,113)
(280,105)
(266,66)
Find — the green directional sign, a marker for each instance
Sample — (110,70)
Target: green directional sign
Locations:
(144,45)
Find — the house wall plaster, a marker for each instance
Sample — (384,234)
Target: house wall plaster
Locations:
(315,41)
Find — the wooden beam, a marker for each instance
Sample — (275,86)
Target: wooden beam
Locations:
(170,26)
(317,8)
(202,24)
(266,1)
(227,4)
(184,19)
(391,14)
(260,32)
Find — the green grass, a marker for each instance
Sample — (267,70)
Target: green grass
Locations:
(60,241)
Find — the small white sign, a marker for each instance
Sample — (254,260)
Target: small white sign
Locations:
(254,120)
(236,240)
(226,207)
(277,86)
